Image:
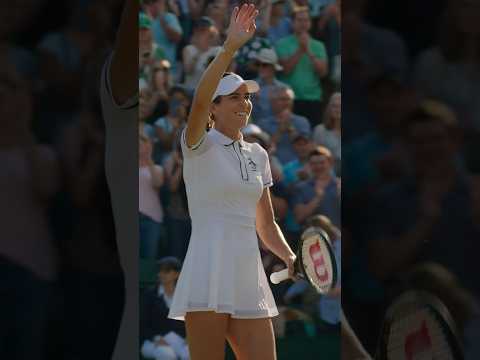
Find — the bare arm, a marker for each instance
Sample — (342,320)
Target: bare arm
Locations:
(269,231)
(241,29)
(124,66)
(172,34)
(320,66)
(292,61)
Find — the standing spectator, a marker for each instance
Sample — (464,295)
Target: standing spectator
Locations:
(321,193)
(151,178)
(167,31)
(198,54)
(328,27)
(266,62)
(284,124)
(329,133)
(163,338)
(304,62)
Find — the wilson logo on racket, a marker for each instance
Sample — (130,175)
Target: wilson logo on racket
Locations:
(318,262)
(418,342)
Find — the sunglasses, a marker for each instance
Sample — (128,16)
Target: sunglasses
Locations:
(262,64)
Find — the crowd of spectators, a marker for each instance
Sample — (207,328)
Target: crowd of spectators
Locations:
(410,159)
(62,286)
(296,117)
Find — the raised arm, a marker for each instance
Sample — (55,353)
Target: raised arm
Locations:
(241,29)
(124,66)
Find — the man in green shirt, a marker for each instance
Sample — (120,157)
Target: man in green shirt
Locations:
(304,62)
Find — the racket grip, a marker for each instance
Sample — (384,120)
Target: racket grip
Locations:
(279,276)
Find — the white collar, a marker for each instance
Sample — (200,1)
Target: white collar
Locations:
(222,139)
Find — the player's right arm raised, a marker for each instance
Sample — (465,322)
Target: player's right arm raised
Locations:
(241,29)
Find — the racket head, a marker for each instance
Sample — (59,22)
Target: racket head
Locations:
(317,259)
(419,326)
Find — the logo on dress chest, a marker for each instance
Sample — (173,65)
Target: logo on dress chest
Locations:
(251,164)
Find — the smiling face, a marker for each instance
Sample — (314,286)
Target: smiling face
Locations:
(320,165)
(233,111)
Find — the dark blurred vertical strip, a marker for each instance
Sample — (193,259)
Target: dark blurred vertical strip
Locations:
(410,134)
(62,293)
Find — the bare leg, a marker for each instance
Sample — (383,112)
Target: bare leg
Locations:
(206,332)
(252,339)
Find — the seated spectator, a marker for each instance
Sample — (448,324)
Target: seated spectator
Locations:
(148,51)
(151,178)
(198,54)
(329,133)
(284,124)
(304,62)
(321,193)
(163,338)
(266,63)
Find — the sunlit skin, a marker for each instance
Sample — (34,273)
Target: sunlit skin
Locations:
(233,112)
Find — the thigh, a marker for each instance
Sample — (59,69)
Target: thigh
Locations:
(206,332)
(252,339)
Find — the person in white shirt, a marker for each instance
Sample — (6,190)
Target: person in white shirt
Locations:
(222,292)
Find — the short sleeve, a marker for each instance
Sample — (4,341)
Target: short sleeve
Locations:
(319,50)
(107,92)
(267,172)
(172,21)
(199,148)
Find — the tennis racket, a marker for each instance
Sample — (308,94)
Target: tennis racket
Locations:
(418,326)
(315,261)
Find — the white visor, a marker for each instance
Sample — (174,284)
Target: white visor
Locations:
(232,82)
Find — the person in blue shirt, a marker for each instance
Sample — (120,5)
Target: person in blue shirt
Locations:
(284,124)
(321,193)
(266,63)
(167,31)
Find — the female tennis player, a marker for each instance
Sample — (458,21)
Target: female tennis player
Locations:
(222,292)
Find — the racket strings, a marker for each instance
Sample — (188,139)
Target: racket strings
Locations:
(317,263)
(418,334)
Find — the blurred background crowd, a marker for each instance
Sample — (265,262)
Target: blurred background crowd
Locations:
(410,167)
(411,189)
(296,117)
(62,286)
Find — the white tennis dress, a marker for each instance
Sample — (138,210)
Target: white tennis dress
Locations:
(223,270)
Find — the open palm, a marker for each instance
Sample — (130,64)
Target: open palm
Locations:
(242,26)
